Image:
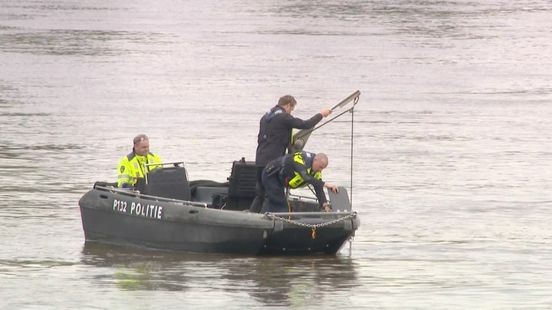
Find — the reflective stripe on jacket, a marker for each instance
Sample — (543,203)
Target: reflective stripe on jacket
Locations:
(134,166)
(295,170)
(304,159)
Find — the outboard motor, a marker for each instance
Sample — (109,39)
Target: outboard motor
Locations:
(242,181)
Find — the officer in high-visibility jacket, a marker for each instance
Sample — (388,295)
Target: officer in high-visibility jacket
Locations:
(134,166)
(294,171)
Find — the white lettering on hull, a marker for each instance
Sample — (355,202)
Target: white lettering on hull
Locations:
(149,211)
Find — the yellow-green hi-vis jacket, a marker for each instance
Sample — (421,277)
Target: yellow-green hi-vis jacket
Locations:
(134,166)
(303,159)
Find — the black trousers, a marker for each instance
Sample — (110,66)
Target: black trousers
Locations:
(259,199)
(275,193)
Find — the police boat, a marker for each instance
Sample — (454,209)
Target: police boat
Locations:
(171,212)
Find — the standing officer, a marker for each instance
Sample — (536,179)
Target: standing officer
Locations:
(294,171)
(134,167)
(275,130)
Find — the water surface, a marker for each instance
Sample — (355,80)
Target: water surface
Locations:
(452,166)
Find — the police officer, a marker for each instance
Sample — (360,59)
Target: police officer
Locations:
(133,167)
(294,171)
(275,130)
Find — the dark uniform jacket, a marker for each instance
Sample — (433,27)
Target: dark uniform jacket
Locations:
(275,133)
(295,170)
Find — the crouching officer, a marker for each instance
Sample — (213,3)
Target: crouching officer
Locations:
(133,168)
(294,171)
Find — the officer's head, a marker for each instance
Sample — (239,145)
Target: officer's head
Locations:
(141,144)
(287,102)
(320,162)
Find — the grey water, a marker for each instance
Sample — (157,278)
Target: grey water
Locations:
(452,170)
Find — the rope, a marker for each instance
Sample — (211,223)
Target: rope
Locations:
(313,227)
(287,199)
(312,190)
(352,155)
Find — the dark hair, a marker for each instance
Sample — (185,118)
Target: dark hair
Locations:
(139,138)
(287,99)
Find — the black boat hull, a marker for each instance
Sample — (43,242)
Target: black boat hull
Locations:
(115,217)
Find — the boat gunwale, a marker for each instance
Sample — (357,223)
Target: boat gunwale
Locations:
(139,195)
(156,198)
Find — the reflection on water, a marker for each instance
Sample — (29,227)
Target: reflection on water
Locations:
(135,269)
(294,281)
(282,281)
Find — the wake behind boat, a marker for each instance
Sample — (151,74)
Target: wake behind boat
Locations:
(171,212)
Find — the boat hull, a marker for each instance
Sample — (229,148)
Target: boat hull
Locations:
(115,217)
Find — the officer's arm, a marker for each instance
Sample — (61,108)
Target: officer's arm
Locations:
(320,195)
(316,183)
(302,170)
(294,122)
(124,179)
(155,163)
